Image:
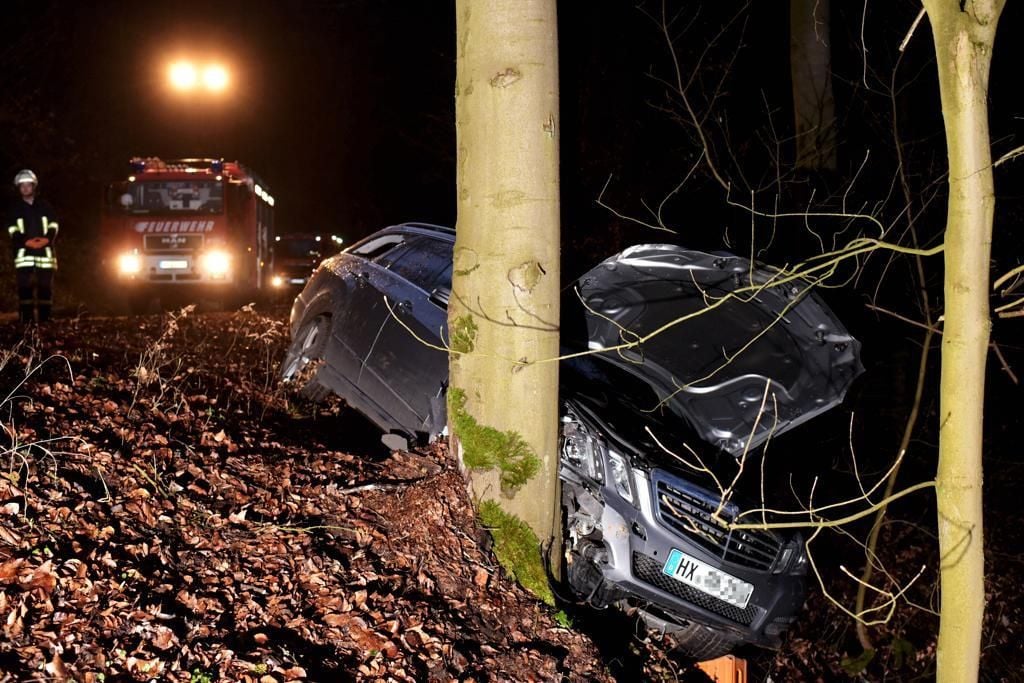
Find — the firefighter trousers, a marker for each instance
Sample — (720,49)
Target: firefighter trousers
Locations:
(35,293)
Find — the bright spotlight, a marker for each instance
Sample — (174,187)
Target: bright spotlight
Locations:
(129,263)
(215,77)
(183,75)
(216,263)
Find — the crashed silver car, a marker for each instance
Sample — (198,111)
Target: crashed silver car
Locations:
(651,433)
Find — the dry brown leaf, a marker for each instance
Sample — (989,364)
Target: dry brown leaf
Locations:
(164,638)
(480,577)
(294,673)
(42,578)
(55,667)
(9,570)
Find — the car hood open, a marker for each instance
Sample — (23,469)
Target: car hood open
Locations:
(737,349)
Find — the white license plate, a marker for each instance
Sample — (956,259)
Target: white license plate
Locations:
(173,265)
(707,579)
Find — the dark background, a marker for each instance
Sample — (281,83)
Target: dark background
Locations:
(346,109)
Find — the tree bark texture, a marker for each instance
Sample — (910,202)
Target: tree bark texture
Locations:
(964,34)
(505,288)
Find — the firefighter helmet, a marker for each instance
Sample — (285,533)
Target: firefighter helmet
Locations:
(26,176)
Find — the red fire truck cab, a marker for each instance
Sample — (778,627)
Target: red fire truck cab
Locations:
(192,226)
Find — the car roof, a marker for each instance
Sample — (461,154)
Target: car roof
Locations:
(423,229)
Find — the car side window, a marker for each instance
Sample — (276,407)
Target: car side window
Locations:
(444,278)
(379,246)
(423,262)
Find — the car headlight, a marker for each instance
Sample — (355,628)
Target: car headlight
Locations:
(277,281)
(216,263)
(619,476)
(581,450)
(793,558)
(129,263)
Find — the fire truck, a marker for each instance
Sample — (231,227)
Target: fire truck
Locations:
(193,227)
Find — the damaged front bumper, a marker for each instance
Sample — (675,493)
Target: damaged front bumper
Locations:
(645,539)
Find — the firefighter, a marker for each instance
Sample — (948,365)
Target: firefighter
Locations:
(33,228)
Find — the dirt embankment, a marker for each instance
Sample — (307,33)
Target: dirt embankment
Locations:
(168,512)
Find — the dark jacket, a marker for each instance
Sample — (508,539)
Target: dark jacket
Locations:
(27,221)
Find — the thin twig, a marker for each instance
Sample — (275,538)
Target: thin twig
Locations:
(913,27)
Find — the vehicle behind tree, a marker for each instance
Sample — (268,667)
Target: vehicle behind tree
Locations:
(678,367)
(295,256)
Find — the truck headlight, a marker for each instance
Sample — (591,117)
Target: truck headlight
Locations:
(277,281)
(129,263)
(216,263)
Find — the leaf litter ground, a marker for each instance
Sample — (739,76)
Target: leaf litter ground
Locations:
(169,512)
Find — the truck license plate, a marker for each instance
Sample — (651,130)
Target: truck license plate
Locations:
(707,579)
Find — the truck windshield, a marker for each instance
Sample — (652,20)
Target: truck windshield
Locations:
(168,196)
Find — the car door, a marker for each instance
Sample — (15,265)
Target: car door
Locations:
(408,360)
(360,307)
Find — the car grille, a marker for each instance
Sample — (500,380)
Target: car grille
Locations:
(683,509)
(649,571)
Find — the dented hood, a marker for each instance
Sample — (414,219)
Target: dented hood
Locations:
(725,345)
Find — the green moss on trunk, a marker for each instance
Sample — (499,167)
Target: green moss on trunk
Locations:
(518,549)
(486,448)
(464,332)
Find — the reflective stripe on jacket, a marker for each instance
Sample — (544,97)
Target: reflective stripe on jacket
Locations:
(27,222)
(47,260)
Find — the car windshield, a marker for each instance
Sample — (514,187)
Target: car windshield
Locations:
(299,247)
(168,196)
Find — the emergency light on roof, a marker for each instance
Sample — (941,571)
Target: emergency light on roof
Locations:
(264,195)
(215,166)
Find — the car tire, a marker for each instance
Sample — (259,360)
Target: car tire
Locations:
(306,349)
(696,641)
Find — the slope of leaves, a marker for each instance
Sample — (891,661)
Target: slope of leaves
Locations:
(168,512)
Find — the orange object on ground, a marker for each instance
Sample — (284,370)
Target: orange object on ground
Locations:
(726,669)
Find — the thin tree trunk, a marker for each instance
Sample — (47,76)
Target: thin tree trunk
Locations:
(504,310)
(810,64)
(964,34)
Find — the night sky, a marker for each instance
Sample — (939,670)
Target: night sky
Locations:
(346,109)
(331,103)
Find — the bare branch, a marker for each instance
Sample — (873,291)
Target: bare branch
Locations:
(910,32)
(1008,276)
(1009,156)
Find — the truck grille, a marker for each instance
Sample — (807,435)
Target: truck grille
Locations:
(171,242)
(649,571)
(687,510)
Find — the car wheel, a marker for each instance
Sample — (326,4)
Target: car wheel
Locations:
(694,640)
(300,364)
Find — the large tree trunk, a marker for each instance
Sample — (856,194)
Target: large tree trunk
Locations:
(504,312)
(963,47)
(810,65)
